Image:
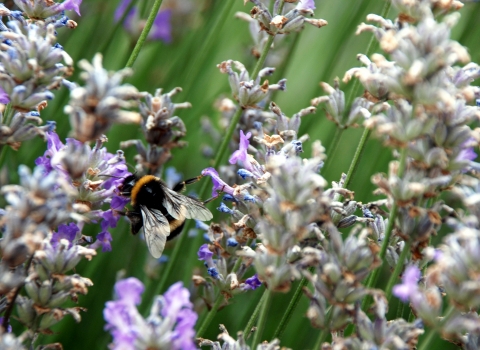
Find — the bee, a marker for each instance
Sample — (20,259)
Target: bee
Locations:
(160,210)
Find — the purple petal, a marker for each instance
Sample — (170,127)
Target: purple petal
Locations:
(241,153)
(129,290)
(306,5)
(69,5)
(204,253)
(4,99)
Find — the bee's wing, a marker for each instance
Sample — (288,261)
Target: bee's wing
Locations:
(156,229)
(180,207)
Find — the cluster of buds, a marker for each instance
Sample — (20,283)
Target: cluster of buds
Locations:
(22,127)
(39,204)
(94,108)
(334,101)
(379,333)
(162,130)
(249,93)
(279,22)
(48,286)
(340,266)
(31,65)
(428,118)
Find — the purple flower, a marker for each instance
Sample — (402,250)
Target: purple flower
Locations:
(467,154)
(252,283)
(409,286)
(306,5)
(162,27)
(103,240)
(218,183)
(68,232)
(206,255)
(54,145)
(129,290)
(69,5)
(4,99)
(171,316)
(241,154)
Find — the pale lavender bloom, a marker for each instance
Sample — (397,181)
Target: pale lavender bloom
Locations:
(241,154)
(467,154)
(169,326)
(218,183)
(409,287)
(69,5)
(206,255)
(306,5)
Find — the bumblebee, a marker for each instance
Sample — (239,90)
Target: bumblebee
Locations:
(160,210)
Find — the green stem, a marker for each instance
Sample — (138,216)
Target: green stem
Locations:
(210,316)
(254,315)
(324,333)
(262,318)
(357,156)
(143,36)
(291,307)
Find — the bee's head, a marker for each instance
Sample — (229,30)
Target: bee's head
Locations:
(127,185)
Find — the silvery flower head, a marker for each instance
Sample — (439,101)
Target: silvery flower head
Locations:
(246,91)
(31,64)
(23,127)
(279,22)
(40,203)
(94,108)
(169,325)
(162,130)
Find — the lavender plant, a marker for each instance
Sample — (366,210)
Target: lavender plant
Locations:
(305,250)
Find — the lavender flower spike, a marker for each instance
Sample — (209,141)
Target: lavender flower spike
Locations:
(169,326)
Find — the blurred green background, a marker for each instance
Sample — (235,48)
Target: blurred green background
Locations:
(190,62)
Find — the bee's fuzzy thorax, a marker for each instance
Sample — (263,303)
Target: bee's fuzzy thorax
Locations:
(140,183)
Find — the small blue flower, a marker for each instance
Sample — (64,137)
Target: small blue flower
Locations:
(243,173)
(213,272)
(229,198)
(224,209)
(249,198)
(232,242)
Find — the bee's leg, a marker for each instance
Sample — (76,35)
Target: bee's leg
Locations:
(210,199)
(182,185)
